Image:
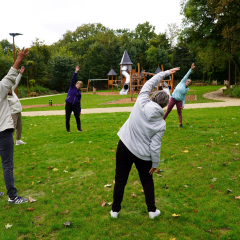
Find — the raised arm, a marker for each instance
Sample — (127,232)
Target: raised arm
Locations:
(152,83)
(188,73)
(18,78)
(10,79)
(74,76)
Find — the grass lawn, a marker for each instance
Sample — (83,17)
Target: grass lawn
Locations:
(94,101)
(209,140)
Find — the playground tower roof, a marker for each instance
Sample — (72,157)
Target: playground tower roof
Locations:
(158,70)
(126,59)
(112,73)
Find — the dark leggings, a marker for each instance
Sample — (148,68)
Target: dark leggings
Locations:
(6,153)
(69,108)
(124,161)
(171,104)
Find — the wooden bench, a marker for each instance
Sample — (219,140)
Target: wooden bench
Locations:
(33,94)
(83,89)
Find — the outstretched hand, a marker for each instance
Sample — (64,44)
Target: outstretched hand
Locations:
(77,69)
(173,70)
(152,170)
(193,66)
(20,56)
(22,69)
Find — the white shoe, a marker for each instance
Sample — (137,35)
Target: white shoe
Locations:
(19,142)
(154,214)
(114,214)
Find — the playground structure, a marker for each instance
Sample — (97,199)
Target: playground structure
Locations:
(132,80)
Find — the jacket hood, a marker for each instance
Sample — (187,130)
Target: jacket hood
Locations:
(153,111)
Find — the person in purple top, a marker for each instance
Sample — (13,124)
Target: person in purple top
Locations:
(73,102)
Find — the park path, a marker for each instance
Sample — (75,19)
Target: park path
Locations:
(217,95)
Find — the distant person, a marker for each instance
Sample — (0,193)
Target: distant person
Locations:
(179,95)
(140,143)
(73,102)
(16,109)
(6,130)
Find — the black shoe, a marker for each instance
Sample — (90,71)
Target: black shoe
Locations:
(180,125)
(80,130)
(68,131)
(18,200)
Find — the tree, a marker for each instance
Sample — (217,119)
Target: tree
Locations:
(6,62)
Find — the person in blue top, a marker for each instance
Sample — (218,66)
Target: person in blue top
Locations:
(73,102)
(179,95)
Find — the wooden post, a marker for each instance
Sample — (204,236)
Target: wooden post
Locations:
(235,74)
(172,84)
(229,69)
(108,83)
(87,85)
(203,75)
(27,83)
(130,84)
(116,83)
(112,83)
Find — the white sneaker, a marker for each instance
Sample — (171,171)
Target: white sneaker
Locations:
(114,214)
(19,142)
(154,214)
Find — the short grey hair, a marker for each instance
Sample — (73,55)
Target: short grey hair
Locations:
(161,98)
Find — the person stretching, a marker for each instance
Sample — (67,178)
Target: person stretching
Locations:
(73,102)
(16,108)
(140,143)
(179,95)
(6,130)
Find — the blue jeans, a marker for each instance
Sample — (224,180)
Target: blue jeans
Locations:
(6,153)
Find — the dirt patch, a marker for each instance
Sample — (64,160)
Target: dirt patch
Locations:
(191,98)
(42,105)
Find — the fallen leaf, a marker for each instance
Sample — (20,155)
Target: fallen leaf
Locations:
(65,171)
(67,211)
(133,194)
(103,203)
(210,231)
(211,186)
(195,211)
(110,203)
(30,209)
(89,188)
(108,185)
(214,179)
(67,223)
(90,141)
(185,151)
(172,239)
(237,197)
(199,167)
(229,191)
(50,167)
(32,167)
(31,200)
(8,226)
(55,169)
(186,186)
(176,215)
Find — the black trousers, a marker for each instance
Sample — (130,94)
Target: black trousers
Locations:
(69,108)
(124,161)
(6,153)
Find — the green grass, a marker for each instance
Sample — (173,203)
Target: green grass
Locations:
(89,158)
(94,101)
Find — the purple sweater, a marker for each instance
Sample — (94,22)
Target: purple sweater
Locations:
(74,94)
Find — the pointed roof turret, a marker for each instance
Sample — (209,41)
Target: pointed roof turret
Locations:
(112,73)
(158,70)
(126,59)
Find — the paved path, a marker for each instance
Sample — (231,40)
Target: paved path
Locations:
(217,95)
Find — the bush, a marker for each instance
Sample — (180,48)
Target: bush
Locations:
(233,92)
(22,91)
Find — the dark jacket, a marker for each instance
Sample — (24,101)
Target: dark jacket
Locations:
(74,94)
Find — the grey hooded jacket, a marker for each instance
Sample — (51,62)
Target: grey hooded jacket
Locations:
(143,131)
(6,84)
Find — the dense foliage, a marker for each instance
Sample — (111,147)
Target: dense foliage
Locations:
(210,33)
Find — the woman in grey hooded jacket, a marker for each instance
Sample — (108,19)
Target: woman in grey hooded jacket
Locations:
(140,143)
(6,131)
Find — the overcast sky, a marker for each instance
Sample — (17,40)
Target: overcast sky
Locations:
(49,19)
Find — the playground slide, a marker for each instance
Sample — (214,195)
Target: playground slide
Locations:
(126,85)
